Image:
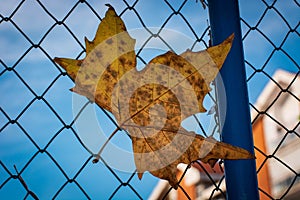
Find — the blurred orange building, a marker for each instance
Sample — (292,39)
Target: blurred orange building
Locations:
(196,183)
(276,134)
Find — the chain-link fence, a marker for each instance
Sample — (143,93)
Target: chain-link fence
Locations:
(46,145)
(276,64)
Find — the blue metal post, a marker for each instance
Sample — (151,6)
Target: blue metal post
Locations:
(241,179)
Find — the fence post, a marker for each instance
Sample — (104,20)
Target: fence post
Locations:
(241,179)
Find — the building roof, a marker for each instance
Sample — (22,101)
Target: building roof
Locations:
(194,175)
(280,81)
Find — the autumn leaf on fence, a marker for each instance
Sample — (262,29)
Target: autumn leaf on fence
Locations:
(151,104)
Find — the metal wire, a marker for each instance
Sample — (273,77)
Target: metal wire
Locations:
(255,70)
(13,69)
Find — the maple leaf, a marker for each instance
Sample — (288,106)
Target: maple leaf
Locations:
(151,104)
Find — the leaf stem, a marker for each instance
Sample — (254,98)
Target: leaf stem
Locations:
(97,156)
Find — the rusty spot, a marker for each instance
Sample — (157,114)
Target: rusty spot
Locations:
(109,41)
(106,77)
(121,49)
(122,42)
(122,60)
(79,62)
(99,54)
(129,62)
(114,73)
(189,71)
(167,62)
(159,78)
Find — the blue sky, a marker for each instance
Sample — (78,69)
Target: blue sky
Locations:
(35,68)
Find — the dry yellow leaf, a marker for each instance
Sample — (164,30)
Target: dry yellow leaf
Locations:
(109,56)
(152,103)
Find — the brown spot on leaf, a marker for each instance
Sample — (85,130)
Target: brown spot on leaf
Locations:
(98,54)
(114,74)
(122,60)
(79,62)
(109,41)
(121,49)
(123,42)
(189,71)
(159,78)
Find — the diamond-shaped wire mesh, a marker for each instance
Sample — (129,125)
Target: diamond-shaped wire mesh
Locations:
(39,131)
(274,60)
